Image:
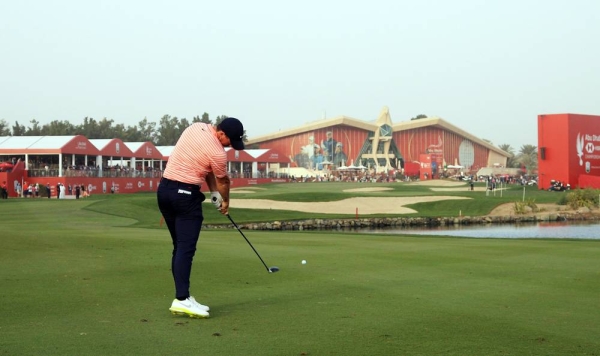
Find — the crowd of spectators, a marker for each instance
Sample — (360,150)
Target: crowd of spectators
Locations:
(356,177)
(91,171)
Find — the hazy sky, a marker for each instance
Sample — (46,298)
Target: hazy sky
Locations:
(488,67)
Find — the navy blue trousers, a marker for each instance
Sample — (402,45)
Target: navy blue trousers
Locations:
(181,207)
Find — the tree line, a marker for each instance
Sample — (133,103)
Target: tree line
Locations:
(165,132)
(526,157)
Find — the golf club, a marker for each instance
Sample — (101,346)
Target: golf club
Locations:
(269,269)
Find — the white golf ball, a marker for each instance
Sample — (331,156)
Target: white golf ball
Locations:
(303,262)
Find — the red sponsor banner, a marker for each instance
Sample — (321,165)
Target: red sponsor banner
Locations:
(117,185)
(426,168)
(113,148)
(584,132)
(80,145)
(568,148)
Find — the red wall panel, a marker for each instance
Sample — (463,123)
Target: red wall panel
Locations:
(570,146)
(443,145)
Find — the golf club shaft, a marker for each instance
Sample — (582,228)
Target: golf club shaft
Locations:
(244,236)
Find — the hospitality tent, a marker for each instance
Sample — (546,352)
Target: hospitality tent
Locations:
(150,156)
(114,154)
(50,155)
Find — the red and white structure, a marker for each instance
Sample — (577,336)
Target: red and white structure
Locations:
(107,166)
(569,150)
(423,147)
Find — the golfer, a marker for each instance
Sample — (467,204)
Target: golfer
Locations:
(198,158)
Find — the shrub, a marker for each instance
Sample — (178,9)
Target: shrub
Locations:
(579,198)
(562,200)
(519,207)
(531,203)
(522,207)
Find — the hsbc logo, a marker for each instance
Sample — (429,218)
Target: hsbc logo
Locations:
(589,147)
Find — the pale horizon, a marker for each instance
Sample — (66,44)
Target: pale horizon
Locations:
(487,68)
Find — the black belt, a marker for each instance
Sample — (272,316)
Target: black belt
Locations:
(173,183)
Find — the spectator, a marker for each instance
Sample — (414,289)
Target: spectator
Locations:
(4,190)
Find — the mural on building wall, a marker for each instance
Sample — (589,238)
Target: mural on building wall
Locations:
(321,149)
(382,147)
(446,148)
(302,155)
(328,146)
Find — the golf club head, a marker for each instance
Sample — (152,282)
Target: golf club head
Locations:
(273,269)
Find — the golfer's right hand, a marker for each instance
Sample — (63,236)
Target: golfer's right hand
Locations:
(224,208)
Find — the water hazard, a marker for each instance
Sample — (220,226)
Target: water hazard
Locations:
(552,230)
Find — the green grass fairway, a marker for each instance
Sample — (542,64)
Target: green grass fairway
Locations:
(142,207)
(91,277)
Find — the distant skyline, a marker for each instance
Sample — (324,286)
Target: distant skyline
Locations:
(488,68)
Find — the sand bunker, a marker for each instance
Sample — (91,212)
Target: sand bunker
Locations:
(439,183)
(372,189)
(366,206)
(245,190)
(477,189)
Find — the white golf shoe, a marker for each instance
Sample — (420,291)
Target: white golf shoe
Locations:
(189,307)
(201,306)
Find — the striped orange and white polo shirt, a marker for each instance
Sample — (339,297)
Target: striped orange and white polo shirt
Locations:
(197,152)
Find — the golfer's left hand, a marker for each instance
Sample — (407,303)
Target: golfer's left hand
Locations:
(216,199)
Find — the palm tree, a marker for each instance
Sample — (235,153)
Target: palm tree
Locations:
(511,162)
(528,157)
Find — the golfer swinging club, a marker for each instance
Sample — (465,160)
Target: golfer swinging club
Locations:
(198,158)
